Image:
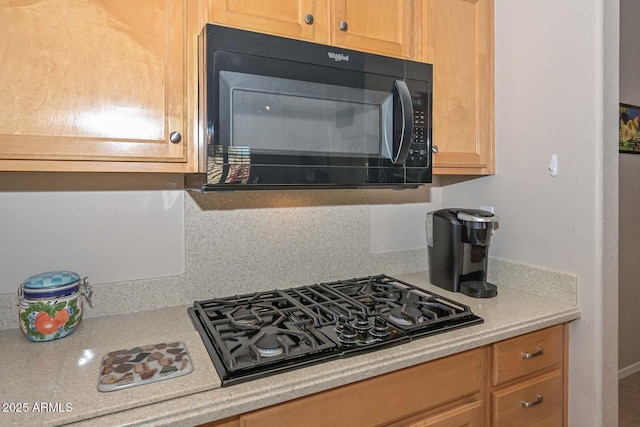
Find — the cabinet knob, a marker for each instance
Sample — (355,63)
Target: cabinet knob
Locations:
(175,137)
(434,149)
(344,26)
(308,19)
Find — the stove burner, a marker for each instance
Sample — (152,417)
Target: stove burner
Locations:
(269,346)
(245,319)
(406,315)
(368,301)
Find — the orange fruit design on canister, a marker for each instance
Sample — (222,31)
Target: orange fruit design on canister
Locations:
(46,324)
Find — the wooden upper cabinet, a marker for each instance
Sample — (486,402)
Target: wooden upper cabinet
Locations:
(87,85)
(459,42)
(384,27)
(101,85)
(390,28)
(298,19)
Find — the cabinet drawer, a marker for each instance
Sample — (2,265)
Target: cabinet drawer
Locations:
(465,415)
(382,399)
(542,394)
(525,354)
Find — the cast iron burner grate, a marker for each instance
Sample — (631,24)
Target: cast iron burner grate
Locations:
(254,335)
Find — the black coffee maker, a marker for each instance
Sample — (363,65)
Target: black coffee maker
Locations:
(458,250)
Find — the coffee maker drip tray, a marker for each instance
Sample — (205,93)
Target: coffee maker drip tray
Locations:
(478,289)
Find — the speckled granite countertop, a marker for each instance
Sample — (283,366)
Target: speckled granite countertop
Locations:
(55,383)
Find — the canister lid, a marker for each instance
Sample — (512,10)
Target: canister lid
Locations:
(50,279)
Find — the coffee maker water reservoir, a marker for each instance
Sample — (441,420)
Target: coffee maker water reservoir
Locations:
(458,249)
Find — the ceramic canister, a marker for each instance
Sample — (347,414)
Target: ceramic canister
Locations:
(50,304)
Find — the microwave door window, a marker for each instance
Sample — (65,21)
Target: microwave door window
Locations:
(283,123)
(288,117)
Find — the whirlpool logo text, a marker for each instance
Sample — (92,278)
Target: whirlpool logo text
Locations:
(338,56)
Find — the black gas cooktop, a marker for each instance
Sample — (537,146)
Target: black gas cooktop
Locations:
(254,335)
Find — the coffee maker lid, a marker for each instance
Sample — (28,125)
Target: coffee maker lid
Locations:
(476,215)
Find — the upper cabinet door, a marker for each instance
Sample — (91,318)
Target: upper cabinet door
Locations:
(298,19)
(459,43)
(379,26)
(92,81)
(391,28)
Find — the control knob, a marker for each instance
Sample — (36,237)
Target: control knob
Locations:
(362,322)
(380,327)
(340,323)
(348,334)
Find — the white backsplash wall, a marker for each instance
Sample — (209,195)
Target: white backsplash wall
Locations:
(398,219)
(109,236)
(251,241)
(108,227)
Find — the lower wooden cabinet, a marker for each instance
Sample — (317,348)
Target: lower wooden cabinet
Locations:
(535,402)
(517,382)
(383,399)
(526,354)
(528,379)
(463,415)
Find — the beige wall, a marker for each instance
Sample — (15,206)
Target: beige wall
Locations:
(557,93)
(629,291)
(629,356)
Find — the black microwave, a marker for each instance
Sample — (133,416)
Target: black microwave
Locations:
(282,113)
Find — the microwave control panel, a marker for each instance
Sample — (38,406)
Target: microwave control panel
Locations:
(418,152)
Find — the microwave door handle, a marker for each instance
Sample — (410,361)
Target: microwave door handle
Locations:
(407,122)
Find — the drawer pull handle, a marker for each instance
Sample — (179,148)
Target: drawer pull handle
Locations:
(526,404)
(538,352)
